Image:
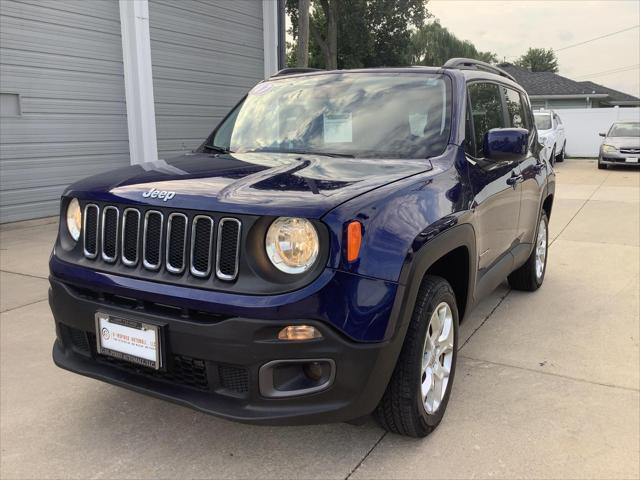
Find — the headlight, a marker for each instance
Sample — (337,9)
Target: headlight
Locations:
(292,244)
(609,148)
(74,219)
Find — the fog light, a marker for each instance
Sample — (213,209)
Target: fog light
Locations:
(313,371)
(298,333)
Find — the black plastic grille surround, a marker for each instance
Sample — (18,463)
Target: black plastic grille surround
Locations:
(160,241)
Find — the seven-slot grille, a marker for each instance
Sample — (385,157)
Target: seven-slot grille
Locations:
(155,240)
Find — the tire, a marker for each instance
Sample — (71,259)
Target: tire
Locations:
(552,157)
(402,409)
(560,157)
(528,277)
(601,166)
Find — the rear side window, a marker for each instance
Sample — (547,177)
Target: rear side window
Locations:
(486,111)
(516,109)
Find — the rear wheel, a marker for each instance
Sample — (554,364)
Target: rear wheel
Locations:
(530,276)
(418,392)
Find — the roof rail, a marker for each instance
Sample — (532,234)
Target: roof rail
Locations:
(294,70)
(471,64)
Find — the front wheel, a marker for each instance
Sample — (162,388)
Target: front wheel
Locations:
(418,392)
(552,157)
(530,276)
(601,166)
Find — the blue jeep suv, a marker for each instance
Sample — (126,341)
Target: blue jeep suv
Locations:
(311,260)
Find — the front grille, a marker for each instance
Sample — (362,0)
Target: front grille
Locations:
(201,241)
(176,242)
(227,250)
(152,239)
(91,217)
(130,236)
(630,151)
(234,378)
(182,370)
(158,241)
(110,234)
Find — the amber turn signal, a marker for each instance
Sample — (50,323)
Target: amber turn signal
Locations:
(299,332)
(354,240)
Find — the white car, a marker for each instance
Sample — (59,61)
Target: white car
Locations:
(551,135)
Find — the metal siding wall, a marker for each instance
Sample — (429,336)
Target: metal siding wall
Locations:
(206,55)
(64,59)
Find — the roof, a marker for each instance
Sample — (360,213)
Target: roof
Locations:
(614,95)
(549,84)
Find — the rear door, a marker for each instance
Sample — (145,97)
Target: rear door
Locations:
(532,168)
(495,186)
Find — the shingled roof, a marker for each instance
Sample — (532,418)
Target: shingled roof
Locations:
(546,84)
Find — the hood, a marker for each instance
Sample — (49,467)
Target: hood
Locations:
(251,183)
(622,142)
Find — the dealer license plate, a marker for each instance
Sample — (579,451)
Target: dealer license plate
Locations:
(130,340)
(631,160)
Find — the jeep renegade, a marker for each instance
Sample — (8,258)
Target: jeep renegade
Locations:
(311,260)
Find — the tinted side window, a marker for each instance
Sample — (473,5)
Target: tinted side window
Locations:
(486,111)
(515,107)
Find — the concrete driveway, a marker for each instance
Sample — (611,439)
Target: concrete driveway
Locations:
(547,385)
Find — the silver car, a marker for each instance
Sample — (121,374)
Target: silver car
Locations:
(621,145)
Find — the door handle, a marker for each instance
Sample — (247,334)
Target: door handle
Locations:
(514,180)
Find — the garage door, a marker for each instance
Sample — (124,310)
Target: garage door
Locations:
(63,102)
(205,56)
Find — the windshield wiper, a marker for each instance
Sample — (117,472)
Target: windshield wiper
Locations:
(218,149)
(301,152)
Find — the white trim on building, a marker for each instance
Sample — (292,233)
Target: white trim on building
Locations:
(138,80)
(270,34)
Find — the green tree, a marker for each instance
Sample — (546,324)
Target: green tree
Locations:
(433,44)
(539,60)
(359,33)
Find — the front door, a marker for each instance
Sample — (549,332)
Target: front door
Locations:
(532,168)
(496,185)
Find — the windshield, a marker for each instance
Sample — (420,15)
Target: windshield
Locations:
(390,115)
(625,130)
(543,121)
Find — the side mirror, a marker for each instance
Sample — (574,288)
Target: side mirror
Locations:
(602,134)
(505,144)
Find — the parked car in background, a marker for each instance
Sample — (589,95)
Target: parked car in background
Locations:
(311,260)
(551,134)
(621,145)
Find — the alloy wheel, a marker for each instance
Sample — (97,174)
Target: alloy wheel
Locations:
(437,358)
(541,249)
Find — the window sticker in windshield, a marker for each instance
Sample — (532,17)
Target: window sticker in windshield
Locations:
(337,128)
(418,123)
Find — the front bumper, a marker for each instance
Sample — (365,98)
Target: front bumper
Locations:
(619,158)
(213,364)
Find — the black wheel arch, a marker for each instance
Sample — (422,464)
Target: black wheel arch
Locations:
(454,244)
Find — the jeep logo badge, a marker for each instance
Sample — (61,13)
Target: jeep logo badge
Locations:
(161,194)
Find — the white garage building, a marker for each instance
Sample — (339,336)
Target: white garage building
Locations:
(90,85)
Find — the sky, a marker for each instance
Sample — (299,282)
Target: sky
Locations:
(508,28)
